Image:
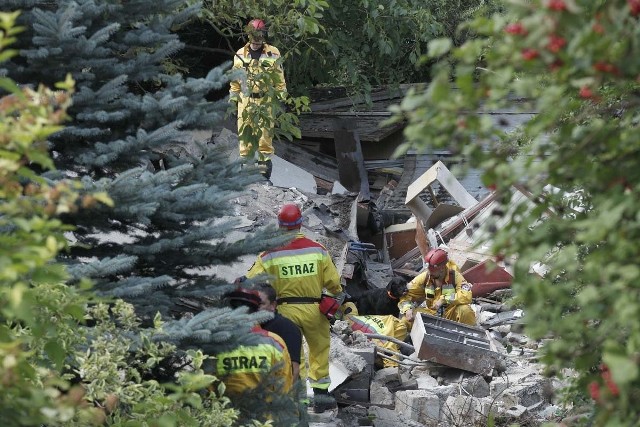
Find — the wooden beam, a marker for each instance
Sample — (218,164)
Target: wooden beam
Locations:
(317,164)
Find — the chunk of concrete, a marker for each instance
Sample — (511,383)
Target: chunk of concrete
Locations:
(426,382)
(380,395)
(524,394)
(383,417)
(386,375)
(419,405)
(476,386)
(515,411)
(284,173)
(464,410)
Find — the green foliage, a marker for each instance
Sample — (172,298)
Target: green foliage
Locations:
(354,44)
(576,65)
(371,43)
(357,44)
(130,136)
(36,309)
(67,359)
(116,371)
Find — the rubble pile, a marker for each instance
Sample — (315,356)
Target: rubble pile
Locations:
(422,392)
(437,374)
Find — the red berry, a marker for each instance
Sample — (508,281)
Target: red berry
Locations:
(634,7)
(585,92)
(556,43)
(606,67)
(594,390)
(598,28)
(529,54)
(606,376)
(516,29)
(555,65)
(557,5)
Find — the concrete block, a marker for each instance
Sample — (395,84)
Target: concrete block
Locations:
(525,394)
(380,395)
(386,375)
(443,392)
(463,410)
(476,386)
(515,411)
(426,381)
(383,417)
(418,405)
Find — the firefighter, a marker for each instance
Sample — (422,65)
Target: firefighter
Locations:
(245,367)
(263,71)
(280,325)
(300,272)
(443,289)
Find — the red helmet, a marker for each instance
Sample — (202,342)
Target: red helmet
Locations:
(244,296)
(436,258)
(258,25)
(290,216)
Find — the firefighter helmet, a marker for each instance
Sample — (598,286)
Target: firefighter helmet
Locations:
(257,30)
(290,216)
(258,24)
(436,258)
(244,297)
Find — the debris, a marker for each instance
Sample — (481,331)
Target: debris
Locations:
(453,374)
(453,344)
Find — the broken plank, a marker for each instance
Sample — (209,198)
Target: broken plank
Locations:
(317,164)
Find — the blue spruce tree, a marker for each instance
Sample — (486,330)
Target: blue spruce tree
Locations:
(129,136)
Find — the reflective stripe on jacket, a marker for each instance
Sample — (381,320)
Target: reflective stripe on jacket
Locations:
(422,288)
(245,367)
(300,269)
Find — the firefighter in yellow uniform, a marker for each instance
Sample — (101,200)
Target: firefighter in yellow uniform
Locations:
(443,289)
(263,72)
(245,367)
(299,272)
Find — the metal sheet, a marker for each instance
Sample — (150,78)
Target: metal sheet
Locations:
(453,344)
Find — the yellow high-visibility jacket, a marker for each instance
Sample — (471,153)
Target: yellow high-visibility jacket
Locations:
(455,290)
(245,367)
(298,272)
(253,68)
(300,269)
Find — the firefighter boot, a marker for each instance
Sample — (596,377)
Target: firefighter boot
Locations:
(265,168)
(323,401)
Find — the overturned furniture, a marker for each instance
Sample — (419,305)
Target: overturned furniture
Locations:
(453,344)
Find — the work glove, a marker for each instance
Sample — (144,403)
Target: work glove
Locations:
(408,315)
(439,303)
